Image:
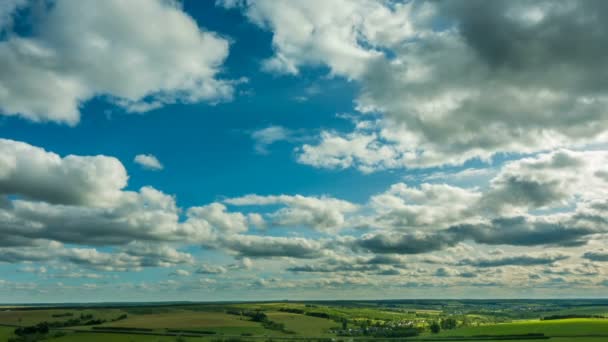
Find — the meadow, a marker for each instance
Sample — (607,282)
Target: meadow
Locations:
(556,321)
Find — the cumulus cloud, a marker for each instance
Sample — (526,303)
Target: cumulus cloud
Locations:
(517,80)
(554,199)
(215,216)
(431,205)
(34,173)
(133,257)
(180,273)
(148,161)
(321,213)
(137,64)
(378,264)
(516,260)
(547,181)
(255,246)
(597,255)
(80,199)
(346,37)
(211,269)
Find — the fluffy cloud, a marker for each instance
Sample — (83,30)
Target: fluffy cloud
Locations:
(80,199)
(430,205)
(517,80)
(215,216)
(133,257)
(547,181)
(321,213)
(273,246)
(34,173)
(598,255)
(148,161)
(558,230)
(137,64)
(211,269)
(438,233)
(346,37)
(180,273)
(516,260)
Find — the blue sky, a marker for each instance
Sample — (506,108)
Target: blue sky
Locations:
(300,149)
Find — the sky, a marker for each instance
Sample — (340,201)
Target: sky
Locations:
(161,150)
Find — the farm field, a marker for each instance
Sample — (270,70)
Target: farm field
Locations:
(559,327)
(563,321)
(304,325)
(185,319)
(30,317)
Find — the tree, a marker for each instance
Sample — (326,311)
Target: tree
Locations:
(448,323)
(344,324)
(435,327)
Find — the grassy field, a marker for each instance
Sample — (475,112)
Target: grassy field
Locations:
(561,327)
(31,317)
(182,319)
(288,321)
(218,322)
(84,337)
(303,325)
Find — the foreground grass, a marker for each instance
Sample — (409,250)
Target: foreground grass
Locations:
(6,333)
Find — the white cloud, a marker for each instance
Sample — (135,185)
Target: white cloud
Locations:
(137,64)
(211,269)
(180,273)
(34,173)
(556,200)
(267,136)
(148,161)
(344,35)
(495,93)
(216,217)
(321,213)
(80,199)
(133,257)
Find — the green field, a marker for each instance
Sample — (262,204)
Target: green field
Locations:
(30,317)
(184,319)
(561,327)
(339,321)
(304,325)
(84,337)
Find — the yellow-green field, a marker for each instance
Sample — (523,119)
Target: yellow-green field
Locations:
(561,327)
